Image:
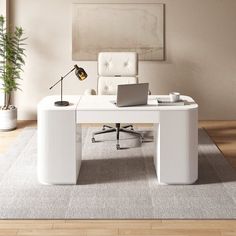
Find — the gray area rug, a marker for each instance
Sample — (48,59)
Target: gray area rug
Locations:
(115,184)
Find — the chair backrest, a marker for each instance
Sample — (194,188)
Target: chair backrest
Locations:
(116,68)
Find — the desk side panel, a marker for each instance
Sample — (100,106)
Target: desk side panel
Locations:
(177,147)
(57,147)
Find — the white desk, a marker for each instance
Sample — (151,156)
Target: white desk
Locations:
(59,136)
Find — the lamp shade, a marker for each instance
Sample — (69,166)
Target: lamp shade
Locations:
(80,73)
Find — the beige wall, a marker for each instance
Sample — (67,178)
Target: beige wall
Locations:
(200,52)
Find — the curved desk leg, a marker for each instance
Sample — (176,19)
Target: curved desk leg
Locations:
(59,147)
(176,147)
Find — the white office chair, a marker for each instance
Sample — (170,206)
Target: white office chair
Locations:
(115,68)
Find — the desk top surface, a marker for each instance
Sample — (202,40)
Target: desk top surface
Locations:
(106,102)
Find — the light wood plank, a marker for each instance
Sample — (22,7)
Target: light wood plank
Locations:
(104,224)
(101,232)
(25,225)
(229,233)
(54,232)
(69,232)
(168,232)
(196,224)
(8,232)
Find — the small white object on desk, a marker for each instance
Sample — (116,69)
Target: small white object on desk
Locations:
(174,96)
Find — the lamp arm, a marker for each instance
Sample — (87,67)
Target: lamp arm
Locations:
(62,78)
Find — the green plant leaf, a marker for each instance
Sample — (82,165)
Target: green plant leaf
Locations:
(12,54)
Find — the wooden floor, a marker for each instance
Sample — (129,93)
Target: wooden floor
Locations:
(223,134)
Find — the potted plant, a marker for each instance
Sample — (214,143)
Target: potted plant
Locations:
(11,63)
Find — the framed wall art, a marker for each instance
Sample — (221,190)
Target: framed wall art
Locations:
(104,27)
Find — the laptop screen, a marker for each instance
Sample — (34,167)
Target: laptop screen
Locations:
(132,94)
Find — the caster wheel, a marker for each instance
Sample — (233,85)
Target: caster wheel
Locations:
(132,129)
(118,146)
(93,140)
(103,128)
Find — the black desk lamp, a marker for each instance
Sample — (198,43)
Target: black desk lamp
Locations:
(80,73)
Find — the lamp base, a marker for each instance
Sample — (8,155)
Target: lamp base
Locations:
(61,103)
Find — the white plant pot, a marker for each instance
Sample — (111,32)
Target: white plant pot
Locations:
(8,119)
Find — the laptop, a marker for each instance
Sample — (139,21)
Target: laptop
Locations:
(132,94)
